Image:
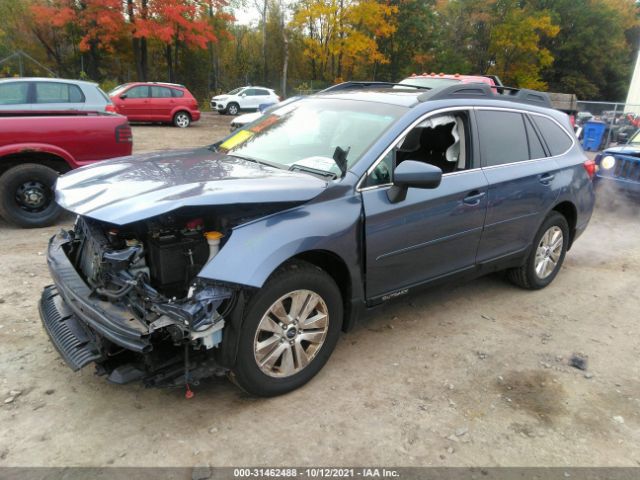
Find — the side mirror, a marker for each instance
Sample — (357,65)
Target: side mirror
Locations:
(412,173)
(123,96)
(243,95)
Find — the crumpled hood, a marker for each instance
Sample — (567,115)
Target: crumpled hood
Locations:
(130,189)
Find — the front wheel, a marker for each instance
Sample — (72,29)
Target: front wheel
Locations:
(182,120)
(290,329)
(547,255)
(27,196)
(233,109)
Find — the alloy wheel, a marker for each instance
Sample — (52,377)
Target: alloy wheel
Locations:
(291,333)
(182,120)
(548,252)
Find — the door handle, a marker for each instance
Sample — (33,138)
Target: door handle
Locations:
(546,178)
(473,198)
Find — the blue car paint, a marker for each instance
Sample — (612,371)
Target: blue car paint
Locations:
(388,248)
(625,175)
(431,234)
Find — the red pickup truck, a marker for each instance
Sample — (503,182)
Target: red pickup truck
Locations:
(35,147)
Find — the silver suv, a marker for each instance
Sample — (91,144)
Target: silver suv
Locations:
(52,94)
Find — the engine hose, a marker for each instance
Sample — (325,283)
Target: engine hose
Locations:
(118,294)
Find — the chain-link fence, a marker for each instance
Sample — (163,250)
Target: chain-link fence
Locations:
(600,125)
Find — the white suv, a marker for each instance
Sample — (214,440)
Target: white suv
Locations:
(243,98)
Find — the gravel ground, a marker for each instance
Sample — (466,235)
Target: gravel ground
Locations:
(465,375)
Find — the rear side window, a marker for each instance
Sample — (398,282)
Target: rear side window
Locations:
(536,150)
(503,137)
(51,92)
(177,93)
(259,91)
(13,93)
(160,92)
(557,139)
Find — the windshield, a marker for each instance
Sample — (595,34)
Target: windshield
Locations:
(429,82)
(118,89)
(237,90)
(635,139)
(308,132)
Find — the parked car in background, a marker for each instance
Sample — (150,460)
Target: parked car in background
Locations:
(618,168)
(248,257)
(243,98)
(37,146)
(52,94)
(156,102)
(243,120)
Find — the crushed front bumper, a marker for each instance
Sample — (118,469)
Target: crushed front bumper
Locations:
(107,319)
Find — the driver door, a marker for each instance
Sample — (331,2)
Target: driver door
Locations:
(432,232)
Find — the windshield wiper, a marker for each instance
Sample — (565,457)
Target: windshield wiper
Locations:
(313,171)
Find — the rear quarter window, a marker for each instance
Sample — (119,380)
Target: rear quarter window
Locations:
(177,93)
(51,92)
(503,138)
(556,138)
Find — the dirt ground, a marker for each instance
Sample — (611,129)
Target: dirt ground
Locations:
(465,375)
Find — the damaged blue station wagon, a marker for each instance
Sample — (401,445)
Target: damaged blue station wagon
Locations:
(249,257)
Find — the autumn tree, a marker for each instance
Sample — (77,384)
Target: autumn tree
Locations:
(341,35)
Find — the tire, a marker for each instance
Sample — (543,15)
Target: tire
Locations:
(182,119)
(536,273)
(27,196)
(233,108)
(302,281)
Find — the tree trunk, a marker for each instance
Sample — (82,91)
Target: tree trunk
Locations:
(265,73)
(285,63)
(168,57)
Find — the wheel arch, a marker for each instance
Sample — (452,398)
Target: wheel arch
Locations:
(31,155)
(337,269)
(569,211)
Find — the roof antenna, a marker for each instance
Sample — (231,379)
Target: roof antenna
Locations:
(340,157)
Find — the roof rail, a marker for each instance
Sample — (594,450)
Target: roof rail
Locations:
(483,90)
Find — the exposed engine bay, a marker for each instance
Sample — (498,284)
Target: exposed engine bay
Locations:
(150,268)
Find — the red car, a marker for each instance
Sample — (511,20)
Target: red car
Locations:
(156,102)
(432,80)
(37,146)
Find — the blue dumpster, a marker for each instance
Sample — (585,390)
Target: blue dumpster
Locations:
(593,135)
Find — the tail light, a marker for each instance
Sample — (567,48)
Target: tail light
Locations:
(124,134)
(110,107)
(279,99)
(590,167)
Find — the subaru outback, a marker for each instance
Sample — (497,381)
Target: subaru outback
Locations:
(247,258)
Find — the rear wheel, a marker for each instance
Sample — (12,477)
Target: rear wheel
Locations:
(547,255)
(182,119)
(291,326)
(27,196)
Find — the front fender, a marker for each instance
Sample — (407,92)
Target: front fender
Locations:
(254,250)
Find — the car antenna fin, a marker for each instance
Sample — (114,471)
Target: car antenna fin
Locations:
(340,157)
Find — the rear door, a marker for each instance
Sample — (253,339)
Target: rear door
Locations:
(522,180)
(57,96)
(162,103)
(432,232)
(262,96)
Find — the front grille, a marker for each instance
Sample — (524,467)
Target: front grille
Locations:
(213,104)
(627,169)
(66,333)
